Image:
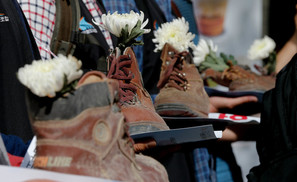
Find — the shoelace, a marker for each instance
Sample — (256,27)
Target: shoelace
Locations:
(119,70)
(173,75)
(233,73)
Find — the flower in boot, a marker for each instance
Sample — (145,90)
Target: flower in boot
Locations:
(46,78)
(205,56)
(175,33)
(261,48)
(202,50)
(127,27)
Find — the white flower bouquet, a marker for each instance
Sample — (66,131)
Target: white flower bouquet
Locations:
(127,27)
(205,56)
(175,33)
(49,77)
(263,49)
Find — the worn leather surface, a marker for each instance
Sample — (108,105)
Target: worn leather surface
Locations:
(142,112)
(191,99)
(239,79)
(92,142)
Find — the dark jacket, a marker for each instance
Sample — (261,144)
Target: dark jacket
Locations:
(151,60)
(17,48)
(277,144)
(93,56)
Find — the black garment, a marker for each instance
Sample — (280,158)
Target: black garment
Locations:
(151,60)
(93,56)
(281,24)
(17,48)
(277,144)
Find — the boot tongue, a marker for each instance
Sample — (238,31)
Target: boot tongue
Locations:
(173,62)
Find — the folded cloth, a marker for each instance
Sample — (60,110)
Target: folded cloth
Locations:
(15,160)
(15,145)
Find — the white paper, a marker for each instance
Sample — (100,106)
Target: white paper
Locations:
(234,117)
(18,174)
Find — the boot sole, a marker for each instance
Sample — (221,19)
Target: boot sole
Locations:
(177,110)
(145,127)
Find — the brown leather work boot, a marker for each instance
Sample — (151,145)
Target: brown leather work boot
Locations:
(135,101)
(84,133)
(239,79)
(181,87)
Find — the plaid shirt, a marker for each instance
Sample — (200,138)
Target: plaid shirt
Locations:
(204,166)
(40,15)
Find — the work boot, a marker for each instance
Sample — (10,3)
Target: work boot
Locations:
(181,87)
(135,102)
(236,78)
(84,133)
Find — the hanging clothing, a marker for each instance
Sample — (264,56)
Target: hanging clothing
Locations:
(41,16)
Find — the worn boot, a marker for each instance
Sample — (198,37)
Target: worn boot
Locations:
(135,101)
(181,87)
(83,133)
(236,78)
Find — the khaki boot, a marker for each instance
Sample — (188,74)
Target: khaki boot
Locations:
(84,133)
(236,78)
(135,101)
(181,87)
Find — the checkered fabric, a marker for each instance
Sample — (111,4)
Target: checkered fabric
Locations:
(204,166)
(96,13)
(40,15)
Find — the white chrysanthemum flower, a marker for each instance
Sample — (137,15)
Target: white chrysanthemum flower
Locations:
(175,33)
(261,49)
(202,50)
(114,23)
(45,78)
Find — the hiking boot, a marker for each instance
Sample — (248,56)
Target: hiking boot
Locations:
(84,133)
(135,102)
(181,87)
(239,79)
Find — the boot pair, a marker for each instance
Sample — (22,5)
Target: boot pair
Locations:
(181,90)
(85,133)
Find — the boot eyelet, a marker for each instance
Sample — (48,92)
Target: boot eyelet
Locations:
(171,54)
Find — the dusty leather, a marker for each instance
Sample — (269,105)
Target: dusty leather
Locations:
(181,87)
(139,111)
(93,141)
(239,79)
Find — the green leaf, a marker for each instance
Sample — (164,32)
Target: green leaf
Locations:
(67,88)
(227,58)
(214,66)
(210,59)
(224,56)
(127,40)
(212,54)
(221,61)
